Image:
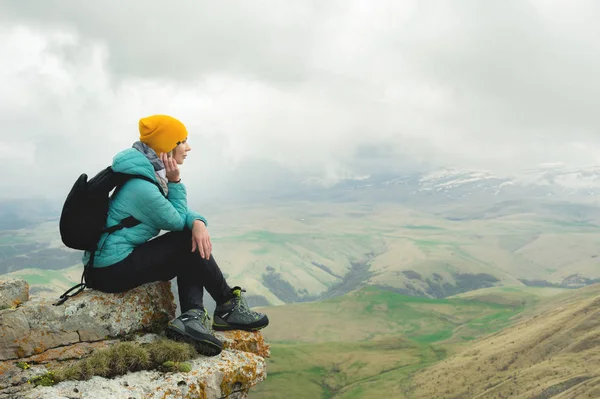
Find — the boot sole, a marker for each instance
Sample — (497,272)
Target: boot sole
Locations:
(202,346)
(229,327)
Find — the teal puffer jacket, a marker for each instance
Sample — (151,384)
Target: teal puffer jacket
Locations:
(145,202)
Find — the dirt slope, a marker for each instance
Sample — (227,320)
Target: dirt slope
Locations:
(555,354)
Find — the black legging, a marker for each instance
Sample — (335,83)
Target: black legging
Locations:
(162,259)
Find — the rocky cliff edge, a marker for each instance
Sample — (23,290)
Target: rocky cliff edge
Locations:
(37,338)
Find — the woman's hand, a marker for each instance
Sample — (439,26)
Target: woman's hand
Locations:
(171,167)
(201,240)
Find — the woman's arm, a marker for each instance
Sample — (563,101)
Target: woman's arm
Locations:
(177,194)
(150,207)
(178,197)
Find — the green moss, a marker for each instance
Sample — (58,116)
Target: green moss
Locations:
(124,357)
(22,365)
(185,367)
(45,380)
(177,367)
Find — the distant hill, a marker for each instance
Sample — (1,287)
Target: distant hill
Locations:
(301,251)
(38,247)
(432,234)
(552,354)
(23,213)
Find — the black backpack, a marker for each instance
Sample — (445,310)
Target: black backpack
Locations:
(84,213)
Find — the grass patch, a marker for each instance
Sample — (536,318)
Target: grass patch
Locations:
(489,323)
(264,236)
(260,251)
(517,297)
(428,244)
(339,368)
(435,337)
(510,289)
(121,358)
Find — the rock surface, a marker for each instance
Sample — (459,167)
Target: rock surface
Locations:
(13,292)
(91,316)
(252,342)
(36,337)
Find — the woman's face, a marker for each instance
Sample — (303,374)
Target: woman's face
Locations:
(180,152)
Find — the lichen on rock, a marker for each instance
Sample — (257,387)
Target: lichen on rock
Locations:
(252,342)
(13,292)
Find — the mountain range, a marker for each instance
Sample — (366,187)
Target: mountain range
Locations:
(551,181)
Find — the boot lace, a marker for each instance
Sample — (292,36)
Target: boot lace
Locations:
(201,316)
(242,306)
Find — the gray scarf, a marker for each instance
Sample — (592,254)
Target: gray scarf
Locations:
(159,166)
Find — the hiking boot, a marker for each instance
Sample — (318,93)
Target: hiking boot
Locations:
(236,315)
(194,328)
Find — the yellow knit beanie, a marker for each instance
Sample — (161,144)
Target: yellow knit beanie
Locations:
(162,133)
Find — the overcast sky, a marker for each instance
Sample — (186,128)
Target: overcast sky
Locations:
(326,89)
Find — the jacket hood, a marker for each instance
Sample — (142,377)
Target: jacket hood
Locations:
(132,162)
(150,154)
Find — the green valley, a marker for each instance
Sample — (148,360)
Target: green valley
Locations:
(366,344)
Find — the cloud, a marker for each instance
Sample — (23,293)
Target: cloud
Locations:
(317,89)
(185,39)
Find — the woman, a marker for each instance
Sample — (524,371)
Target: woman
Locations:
(130,257)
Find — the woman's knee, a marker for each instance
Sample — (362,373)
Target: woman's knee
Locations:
(183,238)
(185,233)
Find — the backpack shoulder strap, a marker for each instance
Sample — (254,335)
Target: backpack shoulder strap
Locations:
(127,177)
(129,221)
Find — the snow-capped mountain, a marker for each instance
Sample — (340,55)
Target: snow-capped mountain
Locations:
(548,181)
